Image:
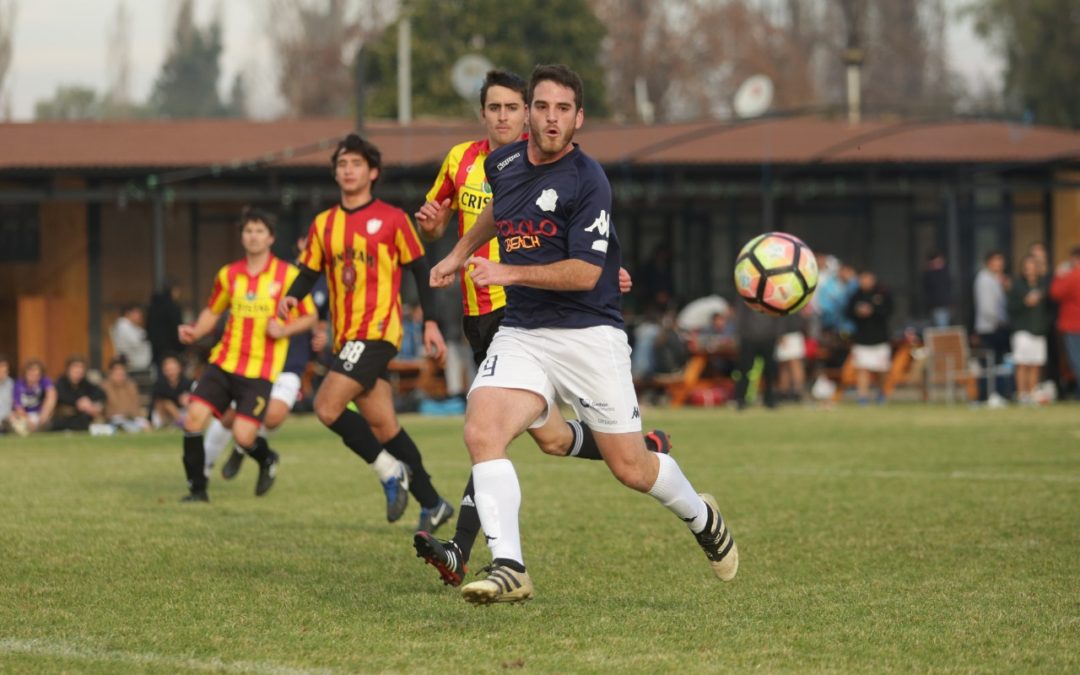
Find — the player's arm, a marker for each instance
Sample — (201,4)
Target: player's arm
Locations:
(202,327)
(565,275)
(301,324)
(300,288)
(432,219)
(434,343)
(443,273)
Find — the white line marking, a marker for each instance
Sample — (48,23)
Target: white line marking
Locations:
(67,650)
(951,475)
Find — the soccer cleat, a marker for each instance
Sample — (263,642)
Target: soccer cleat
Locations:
(502,584)
(444,556)
(195,496)
(267,474)
(717,542)
(232,465)
(431,519)
(658,441)
(397,493)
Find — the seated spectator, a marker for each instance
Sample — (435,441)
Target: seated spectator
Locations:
(170,395)
(669,352)
(122,409)
(130,341)
(7,393)
(717,339)
(34,399)
(412,334)
(78,401)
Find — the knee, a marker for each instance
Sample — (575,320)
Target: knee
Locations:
(384,430)
(245,437)
(327,411)
(633,474)
(483,443)
(552,447)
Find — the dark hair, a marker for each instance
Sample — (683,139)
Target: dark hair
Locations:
(118,361)
(992,254)
(73,359)
(502,78)
(1075,252)
(129,307)
(4,359)
(934,254)
(559,74)
(251,214)
(359,145)
(31,363)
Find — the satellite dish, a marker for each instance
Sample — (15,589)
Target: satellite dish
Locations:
(754,96)
(468,74)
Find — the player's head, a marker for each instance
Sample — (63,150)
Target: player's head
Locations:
(356,163)
(555,110)
(256,230)
(502,104)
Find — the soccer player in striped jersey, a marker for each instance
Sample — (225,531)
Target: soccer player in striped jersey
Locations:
(249,355)
(462,186)
(363,244)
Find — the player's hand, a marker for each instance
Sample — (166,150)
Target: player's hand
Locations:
(434,344)
(186,333)
(286,306)
(443,273)
(625,282)
(275,329)
(319,338)
(432,216)
(485,272)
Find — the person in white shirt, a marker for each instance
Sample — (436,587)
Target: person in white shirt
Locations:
(129,339)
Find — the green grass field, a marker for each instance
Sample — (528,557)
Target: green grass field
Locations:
(902,538)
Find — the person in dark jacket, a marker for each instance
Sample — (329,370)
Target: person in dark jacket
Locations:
(78,402)
(870,307)
(162,319)
(757,334)
(1030,317)
(937,290)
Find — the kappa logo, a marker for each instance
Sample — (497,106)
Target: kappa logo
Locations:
(502,165)
(602,224)
(636,415)
(374,225)
(546,200)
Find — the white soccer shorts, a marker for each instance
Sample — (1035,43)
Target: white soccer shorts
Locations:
(286,389)
(588,369)
(875,358)
(1029,349)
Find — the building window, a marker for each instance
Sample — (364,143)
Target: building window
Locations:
(20,238)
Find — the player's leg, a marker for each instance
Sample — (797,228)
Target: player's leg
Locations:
(218,436)
(252,402)
(377,407)
(339,388)
(212,395)
(493,418)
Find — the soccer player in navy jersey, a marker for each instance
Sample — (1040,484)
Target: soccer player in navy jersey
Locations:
(562,334)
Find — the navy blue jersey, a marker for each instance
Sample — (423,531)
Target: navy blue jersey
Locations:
(549,213)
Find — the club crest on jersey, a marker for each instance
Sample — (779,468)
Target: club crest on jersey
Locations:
(373,225)
(274,288)
(546,200)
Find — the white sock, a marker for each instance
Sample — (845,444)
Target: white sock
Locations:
(674,491)
(385,466)
(498,500)
(216,439)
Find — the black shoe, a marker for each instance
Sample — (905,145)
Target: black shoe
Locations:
(444,556)
(397,493)
(267,474)
(232,465)
(658,441)
(195,496)
(433,518)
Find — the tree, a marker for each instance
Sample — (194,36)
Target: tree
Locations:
(512,35)
(7,30)
(187,84)
(316,42)
(70,102)
(1040,43)
(117,99)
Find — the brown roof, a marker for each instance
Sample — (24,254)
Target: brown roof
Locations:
(794,140)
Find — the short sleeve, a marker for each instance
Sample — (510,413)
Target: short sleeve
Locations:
(407,242)
(589,223)
(444,186)
(220,296)
(313,255)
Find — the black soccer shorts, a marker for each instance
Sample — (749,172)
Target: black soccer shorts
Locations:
(364,361)
(218,389)
(479,331)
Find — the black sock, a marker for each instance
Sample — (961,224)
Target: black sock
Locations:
(584,443)
(195,462)
(403,448)
(260,452)
(468,522)
(507,562)
(357,436)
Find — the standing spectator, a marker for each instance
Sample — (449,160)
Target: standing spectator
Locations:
(757,334)
(937,290)
(162,320)
(791,357)
(1037,250)
(1065,290)
(832,296)
(35,399)
(657,280)
(7,393)
(122,409)
(992,318)
(129,339)
(78,401)
(1030,317)
(870,307)
(170,395)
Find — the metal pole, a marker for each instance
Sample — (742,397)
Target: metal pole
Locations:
(404,70)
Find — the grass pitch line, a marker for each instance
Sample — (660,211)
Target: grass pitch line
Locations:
(75,652)
(918,475)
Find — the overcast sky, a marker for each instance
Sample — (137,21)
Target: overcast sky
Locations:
(64,42)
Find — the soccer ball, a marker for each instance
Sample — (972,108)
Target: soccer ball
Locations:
(776,273)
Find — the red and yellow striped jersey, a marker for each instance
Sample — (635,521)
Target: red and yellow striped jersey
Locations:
(362,252)
(252,300)
(463,180)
